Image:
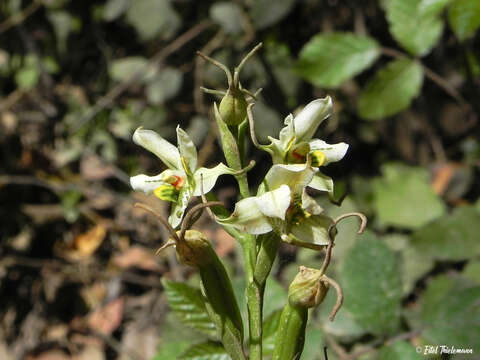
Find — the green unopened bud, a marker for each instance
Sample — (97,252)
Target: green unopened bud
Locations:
(233,107)
(195,250)
(306,290)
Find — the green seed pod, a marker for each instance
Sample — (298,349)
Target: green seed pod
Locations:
(291,333)
(305,291)
(233,107)
(221,304)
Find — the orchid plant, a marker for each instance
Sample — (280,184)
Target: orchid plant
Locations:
(280,210)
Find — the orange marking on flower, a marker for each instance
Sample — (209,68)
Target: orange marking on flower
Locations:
(297,155)
(178,183)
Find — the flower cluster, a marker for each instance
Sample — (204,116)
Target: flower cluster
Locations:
(281,204)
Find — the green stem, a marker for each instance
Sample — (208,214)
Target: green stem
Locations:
(254,294)
(269,244)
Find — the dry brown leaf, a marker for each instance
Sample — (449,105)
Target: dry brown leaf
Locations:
(84,245)
(49,355)
(136,256)
(108,318)
(93,168)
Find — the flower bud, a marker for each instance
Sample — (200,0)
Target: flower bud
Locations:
(233,107)
(306,290)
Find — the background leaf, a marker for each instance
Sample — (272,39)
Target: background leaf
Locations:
(228,15)
(464,18)
(152,17)
(265,13)
(206,351)
(270,326)
(400,350)
(415,24)
(452,237)
(391,90)
(404,198)
(328,60)
(450,314)
(188,305)
(372,293)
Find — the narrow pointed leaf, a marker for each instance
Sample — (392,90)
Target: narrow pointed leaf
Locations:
(206,351)
(189,306)
(391,90)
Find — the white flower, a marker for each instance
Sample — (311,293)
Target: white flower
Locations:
(282,205)
(182,179)
(295,142)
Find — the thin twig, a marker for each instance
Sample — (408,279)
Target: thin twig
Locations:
(251,124)
(19,17)
(108,99)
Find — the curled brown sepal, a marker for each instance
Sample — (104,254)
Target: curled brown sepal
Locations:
(339,291)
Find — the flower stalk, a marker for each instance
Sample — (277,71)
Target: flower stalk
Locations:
(280,210)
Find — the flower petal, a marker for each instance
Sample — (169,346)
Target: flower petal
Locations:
(209,177)
(253,214)
(322,182)
(333,152)
(308,120)
(310,205)
(187,150)
(295,176)
(311,233)
(177,211)
(149,183)
(154,143)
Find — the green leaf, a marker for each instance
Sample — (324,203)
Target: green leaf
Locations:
(344,328)
(372,285)
(265,13)
(328,60)
(206,351)
(164,86)
(152,18)
(464,18)
(114,8)
(27,77)
(314,343)
(400,350)
(189,306)
(275,295)
(450,314)
(228,15)
(404,197)
(414,264)
(171,351)
(472,271)
(415,24)
(391,90)
(122,69)
(452,237)
(270,326)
